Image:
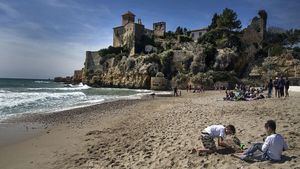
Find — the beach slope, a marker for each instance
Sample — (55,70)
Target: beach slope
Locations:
(153,133)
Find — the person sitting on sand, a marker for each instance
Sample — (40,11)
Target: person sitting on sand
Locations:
(215,131)
(272,147)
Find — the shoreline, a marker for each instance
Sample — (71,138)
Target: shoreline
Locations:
(152,133)
(25,126)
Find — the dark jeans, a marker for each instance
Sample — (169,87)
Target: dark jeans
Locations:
(281,92)
(270,92)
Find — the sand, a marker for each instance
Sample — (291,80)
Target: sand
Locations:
(152,133)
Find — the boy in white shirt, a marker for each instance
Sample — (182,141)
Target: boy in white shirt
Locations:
(210,133)
(272,147)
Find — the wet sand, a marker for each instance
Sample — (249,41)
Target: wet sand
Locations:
(152,133)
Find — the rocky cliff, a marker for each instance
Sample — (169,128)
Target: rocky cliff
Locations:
(221,55)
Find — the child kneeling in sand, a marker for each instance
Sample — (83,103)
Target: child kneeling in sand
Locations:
(271,149)
(210,133)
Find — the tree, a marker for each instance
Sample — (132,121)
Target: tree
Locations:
(292,37)
(228,19)
(214,20)
(179,31)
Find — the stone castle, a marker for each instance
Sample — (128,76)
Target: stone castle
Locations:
(131,34)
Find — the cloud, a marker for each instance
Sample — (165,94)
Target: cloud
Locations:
(22,56)
(8,10)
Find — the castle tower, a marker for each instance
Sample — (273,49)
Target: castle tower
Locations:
(263,22)
(128,17)
(159,29)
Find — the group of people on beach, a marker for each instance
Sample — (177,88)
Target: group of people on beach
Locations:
(280,85)
(243,92)
(271,149)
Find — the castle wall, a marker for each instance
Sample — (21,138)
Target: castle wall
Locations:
(159,29)
(92,60)
(118,36)
(148,32)
(139,32)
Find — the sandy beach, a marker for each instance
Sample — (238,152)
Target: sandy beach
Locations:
(148,133)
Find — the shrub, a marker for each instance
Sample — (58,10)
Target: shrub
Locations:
(166,62)
(209,53)
(184,38)
(153,58)
(276,50)
(296,52)
(111,52)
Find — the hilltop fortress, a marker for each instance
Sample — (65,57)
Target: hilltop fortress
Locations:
(159,59)
(132,34)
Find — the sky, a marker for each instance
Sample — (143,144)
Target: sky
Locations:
(48,38)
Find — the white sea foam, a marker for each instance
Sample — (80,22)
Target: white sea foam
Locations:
(73,87)
(41,81)
(13,99)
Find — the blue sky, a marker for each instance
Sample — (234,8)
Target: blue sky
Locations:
(47,38)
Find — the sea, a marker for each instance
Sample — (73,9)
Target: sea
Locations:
(19,96)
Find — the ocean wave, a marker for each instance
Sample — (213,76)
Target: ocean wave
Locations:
(14,99)
(4,91)
(41,81)
(71,88)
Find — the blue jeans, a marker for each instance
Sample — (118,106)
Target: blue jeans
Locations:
(256,152)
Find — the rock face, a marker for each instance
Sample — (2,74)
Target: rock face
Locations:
(225,59)
(284,64)
(77,77)
(127,72)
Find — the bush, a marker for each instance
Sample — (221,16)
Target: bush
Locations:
(276,50)
(170,35)
(166,62)
(184,38)
(210,55)
(111,52)
(296,52)
(153,58)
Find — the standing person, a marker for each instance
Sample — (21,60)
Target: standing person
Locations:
(281,84)
(272,147)
(187,88)
(276,87)
(270,88)
(175,91)
(287,86)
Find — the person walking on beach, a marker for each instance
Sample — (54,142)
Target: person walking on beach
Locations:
(276,87)
(271,149)
(287,86)
(210,133)
(281,84)
(270,88)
